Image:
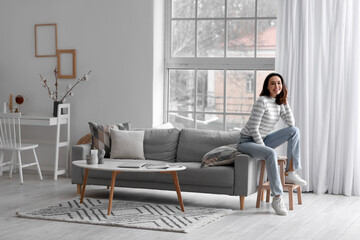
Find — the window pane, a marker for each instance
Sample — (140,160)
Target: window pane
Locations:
(267,8)
(241,38)
(182,90)
(211,8)
(183,8)
(211,38)
(183,38)
(238,100)
(209,121)
(210,91)
(260,77)
(266,45)
(241,8)
(182,120)
(236,122)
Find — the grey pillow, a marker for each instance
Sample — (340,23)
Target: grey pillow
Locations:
(195,143)
(161,144)
(224,155)
(127,144)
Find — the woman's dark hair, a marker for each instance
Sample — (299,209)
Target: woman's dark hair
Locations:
(281,97)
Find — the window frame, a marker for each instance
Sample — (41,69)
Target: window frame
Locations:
(211,63)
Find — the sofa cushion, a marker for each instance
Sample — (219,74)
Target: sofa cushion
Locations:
(194,175)
(100,135)
(127,144)
(161,144)
(195,143)
(224,155)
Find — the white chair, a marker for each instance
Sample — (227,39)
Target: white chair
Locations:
(10,140)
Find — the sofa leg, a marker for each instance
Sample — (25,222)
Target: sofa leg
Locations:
(242,202)
(79,188)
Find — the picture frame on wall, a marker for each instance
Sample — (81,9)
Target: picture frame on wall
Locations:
(66,63)
(46,40)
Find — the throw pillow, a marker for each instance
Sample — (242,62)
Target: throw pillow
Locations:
(100,135)
(161,144)
(224,155)
(127,144)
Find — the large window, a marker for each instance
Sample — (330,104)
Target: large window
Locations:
(218,53)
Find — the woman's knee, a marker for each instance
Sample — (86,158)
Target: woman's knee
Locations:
(271,154)
(294,131)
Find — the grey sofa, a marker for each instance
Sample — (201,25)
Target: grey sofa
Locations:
(187,147)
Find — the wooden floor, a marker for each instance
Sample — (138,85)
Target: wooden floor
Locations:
(320,216)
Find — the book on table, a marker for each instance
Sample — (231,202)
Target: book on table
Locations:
(157,165)
(131,165)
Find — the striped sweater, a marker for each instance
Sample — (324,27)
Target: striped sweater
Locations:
(264,115)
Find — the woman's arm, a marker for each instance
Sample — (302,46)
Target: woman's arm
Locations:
(255,119)
(287,115)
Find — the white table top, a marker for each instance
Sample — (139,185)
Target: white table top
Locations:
(113,165)
(40,120)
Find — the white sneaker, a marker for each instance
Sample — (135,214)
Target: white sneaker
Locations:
(294,178)
(279,206)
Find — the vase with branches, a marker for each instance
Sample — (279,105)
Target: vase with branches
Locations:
(57,97)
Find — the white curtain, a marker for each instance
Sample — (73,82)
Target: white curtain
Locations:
(318,49)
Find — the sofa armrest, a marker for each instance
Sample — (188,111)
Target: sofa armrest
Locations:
(247,171)
(78,152)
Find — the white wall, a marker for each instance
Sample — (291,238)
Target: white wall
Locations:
(113,38)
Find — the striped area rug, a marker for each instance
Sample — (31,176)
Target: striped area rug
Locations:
(129,214)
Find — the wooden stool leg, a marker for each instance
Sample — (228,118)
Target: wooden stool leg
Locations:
(291,201)
(268,195)
(261,182)
(299,195)
(263,194)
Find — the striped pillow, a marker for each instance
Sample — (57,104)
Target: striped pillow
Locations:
(224,155)
(100,135)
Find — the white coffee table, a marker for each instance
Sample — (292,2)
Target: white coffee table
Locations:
(113,166)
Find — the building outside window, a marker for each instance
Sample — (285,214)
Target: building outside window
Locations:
(218,53)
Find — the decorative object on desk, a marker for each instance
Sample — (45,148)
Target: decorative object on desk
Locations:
(101,154)
(19,100)
(130,214)
(57,97)
(10,103)
(5,107)
(55,108)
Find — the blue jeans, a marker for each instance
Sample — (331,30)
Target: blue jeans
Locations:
(291,135)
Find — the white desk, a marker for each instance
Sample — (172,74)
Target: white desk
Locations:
(37,120)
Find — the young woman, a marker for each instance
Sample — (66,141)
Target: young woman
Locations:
(257,141)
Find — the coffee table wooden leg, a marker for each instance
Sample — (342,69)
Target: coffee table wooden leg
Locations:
(113,177)
(84,185)
(178,190)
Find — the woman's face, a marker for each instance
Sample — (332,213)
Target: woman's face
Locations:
(274,86)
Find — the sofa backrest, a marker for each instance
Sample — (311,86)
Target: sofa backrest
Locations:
(161,144)
(195,143)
